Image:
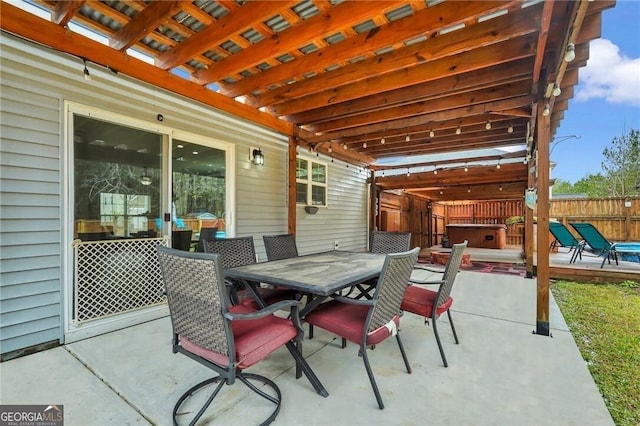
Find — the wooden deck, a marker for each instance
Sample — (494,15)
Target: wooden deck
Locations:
(585,270)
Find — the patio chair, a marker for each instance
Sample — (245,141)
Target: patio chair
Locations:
(241,251)
(564,238)
(227,339)
(382,242)
(181,240)
(280,246)
(389,242)
(206,234)
(369,322)
(431,304)
(598,243)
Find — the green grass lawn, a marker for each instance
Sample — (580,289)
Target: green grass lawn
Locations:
(605,322)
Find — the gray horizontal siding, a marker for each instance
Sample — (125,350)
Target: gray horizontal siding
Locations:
(30,228)
(345,217)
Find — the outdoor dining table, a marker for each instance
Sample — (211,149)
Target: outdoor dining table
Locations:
(316,275)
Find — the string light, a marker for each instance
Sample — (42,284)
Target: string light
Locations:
(330,149)
(466,168)
(570,53)
(556,90)
(364,144)
(407,138)
(498,165)
(432,133)
(435,170)
(468,189)
(458,130)
(408,172)
(500,187)
(546,110)
(510,128)
(488,125)
(344,146)
(382,140)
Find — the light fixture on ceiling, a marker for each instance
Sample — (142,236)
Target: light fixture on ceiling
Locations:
(257,157)
(85,71)
(466,167)
(546,110)
(408,172)
(407,138)
(364,144)
(498,165)
(441,192)
(432,133)
(435,169)
(570,53)
(500,187)
(344,146)
(382,140)
(145,179)
(330,149)
(510,128)
(556,90)
(488,125)
(458,130)
(468,189)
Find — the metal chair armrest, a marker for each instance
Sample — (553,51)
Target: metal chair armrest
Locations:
(438,282)
(266,311)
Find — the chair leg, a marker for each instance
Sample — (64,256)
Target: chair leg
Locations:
(344,343)
(435,331)
(455,336)
(310,331)
(306,369)
(194,389)
(371,378)
(404,354)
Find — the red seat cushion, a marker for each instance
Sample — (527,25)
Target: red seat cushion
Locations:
(419,300)
(254,339)
(347,321)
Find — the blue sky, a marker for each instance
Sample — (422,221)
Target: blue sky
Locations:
(606,101)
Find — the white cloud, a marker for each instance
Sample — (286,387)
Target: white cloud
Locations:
(610,75)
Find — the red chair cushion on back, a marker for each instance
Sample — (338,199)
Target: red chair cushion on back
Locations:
(347,321)
(254,339)
(420,301)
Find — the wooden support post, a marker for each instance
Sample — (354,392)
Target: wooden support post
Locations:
(373,203)
(529,240)
(291,201)
(542,305)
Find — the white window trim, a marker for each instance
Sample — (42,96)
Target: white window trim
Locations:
(309,182)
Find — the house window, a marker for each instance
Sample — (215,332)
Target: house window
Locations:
(311,182)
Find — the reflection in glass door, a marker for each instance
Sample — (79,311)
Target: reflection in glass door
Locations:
(117,180)
(198,193)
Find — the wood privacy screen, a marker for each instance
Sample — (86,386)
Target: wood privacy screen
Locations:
(618,219)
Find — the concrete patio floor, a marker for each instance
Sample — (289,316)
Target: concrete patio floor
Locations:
(500,374)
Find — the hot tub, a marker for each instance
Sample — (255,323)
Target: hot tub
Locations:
(478,235)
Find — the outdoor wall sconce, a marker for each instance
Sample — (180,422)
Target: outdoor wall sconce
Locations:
(257,157)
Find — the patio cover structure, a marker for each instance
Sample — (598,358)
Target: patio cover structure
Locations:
(389,86)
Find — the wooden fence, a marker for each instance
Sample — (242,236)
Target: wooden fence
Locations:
(618,219)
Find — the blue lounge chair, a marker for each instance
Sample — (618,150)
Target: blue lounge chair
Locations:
(564,238)
(601,245)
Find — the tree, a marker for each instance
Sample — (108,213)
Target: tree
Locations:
(621,165)
(563,187)
(594,185)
